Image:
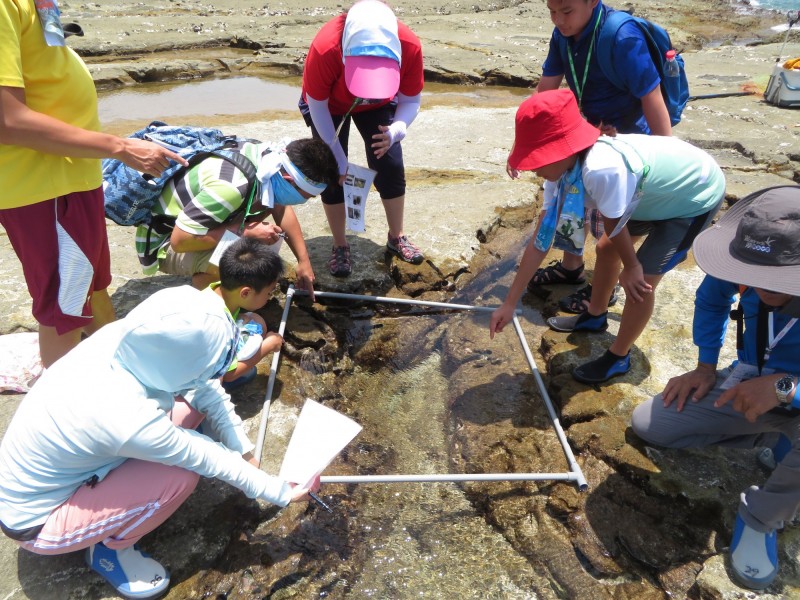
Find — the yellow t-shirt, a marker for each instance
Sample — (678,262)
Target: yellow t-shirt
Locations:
(57,83)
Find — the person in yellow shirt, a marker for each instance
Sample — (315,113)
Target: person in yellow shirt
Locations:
(50,151)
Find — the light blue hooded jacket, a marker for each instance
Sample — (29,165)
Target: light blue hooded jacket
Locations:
(109,400)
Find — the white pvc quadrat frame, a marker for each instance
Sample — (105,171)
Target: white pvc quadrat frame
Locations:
(574,475)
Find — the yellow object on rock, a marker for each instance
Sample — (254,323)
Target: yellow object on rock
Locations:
(792,63)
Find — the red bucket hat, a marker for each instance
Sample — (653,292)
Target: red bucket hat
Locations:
(548,128)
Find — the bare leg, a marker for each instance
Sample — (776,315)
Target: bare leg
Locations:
(336,221)
(102,311)
(53,346)
(606,275)
(394,207)
(571,261)
(635,317)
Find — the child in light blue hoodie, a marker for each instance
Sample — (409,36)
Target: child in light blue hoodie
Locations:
(97,467)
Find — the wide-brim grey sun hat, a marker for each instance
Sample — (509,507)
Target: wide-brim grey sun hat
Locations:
(757,242)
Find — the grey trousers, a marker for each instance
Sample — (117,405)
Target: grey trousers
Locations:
(701,424)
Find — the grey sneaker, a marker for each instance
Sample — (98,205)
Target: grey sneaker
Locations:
(581,322)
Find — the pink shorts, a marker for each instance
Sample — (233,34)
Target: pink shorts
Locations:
(33,235)
(131,501)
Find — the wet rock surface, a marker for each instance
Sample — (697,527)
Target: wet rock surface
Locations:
(433,392)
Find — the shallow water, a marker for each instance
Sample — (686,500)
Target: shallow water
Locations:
(404,540)
(234,99)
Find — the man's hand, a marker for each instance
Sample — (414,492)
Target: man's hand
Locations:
(388,135)
(753,397)
(147,157)
(633,282)
(513,173)
(261,230)
(305,277)
(696,383)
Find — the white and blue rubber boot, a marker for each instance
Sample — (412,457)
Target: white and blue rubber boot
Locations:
(771,457)
(130,571)
(754,556)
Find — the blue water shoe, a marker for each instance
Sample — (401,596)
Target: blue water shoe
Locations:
(602,369)
(581,322)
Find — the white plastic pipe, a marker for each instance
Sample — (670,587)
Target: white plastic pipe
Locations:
(574,467)
(449,477)
(273,372)
(575,474)
(407,301)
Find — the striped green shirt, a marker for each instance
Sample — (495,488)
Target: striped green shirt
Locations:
(206,196)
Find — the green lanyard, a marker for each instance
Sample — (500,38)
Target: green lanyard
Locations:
(579,87)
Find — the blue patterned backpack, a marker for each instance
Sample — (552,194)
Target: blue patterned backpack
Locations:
(130,195)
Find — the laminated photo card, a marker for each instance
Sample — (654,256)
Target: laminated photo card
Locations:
(357,184)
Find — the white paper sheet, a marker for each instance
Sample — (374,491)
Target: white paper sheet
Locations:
(357,183)
(226,240)
(320,434)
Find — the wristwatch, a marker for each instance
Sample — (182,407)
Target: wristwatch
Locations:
(784,388)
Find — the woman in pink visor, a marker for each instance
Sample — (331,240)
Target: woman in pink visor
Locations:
(365,66)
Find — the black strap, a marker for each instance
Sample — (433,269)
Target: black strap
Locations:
(164,224)
(762,334)
(737,315)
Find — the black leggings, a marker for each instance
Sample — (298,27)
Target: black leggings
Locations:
(391,178)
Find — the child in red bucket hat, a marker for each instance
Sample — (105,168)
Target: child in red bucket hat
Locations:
(660,188)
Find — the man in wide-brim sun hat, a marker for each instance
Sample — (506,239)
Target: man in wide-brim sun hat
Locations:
(753,251)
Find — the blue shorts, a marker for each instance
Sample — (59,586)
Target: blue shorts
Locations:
(390,180)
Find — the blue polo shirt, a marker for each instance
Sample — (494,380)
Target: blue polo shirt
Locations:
(601,100)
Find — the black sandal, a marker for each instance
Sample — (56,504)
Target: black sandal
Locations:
(578,302)
(556,274)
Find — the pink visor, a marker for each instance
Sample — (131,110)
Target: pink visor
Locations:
(372,77)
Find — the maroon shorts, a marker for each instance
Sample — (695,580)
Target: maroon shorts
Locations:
(33,235)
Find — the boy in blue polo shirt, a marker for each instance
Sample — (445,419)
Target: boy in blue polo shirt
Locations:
(639,108)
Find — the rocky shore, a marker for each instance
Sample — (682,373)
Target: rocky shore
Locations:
(654,524)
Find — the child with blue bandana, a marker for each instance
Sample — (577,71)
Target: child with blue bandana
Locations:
(658,188)
(209,200)
(638,107)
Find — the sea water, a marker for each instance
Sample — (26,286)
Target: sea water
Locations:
(779,5)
